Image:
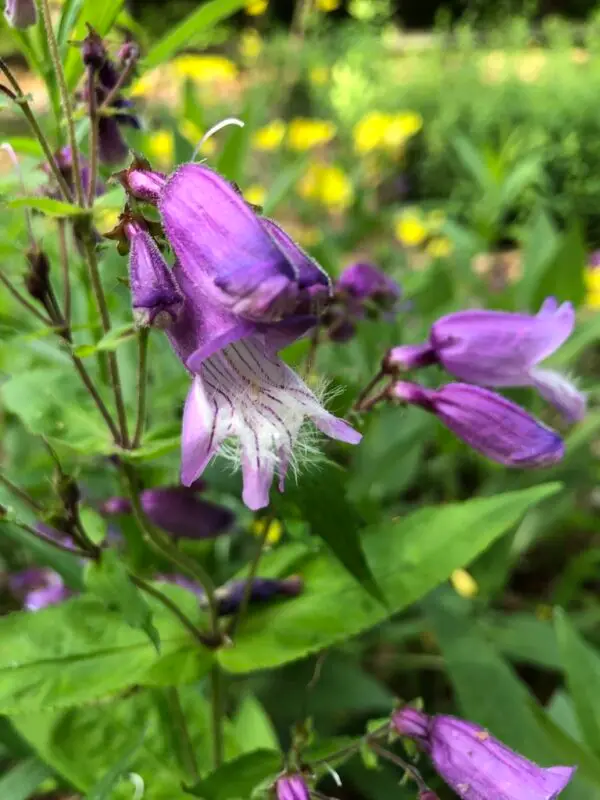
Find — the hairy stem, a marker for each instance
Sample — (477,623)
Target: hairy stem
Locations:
(64,264)
(167,550)
(113,367)
(367,390)
(20,493)
(74,551)
(142,382)
(65,100)
(19,98)
(93,136)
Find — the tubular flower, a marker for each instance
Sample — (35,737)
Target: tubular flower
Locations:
(489,423)
(155,296)
(498,348)
(474,764)
(179,511)
(249,290)
(291,787)
(38,588)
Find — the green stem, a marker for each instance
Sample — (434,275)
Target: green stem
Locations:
(20,493)
(253,569)
(216,686)
(354,747)
(19,98)
(64,263)
(113,367)
(367,390)
(168,551)
(100,404)
(74,551)
(185,744)
(93,136)
(400,762)
(24,301)
(65,100)
(173,608)
(142,383)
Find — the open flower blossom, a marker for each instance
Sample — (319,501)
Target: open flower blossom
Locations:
(155,297)
(474,764)
(249,290)
(178,510)
(489,423)
(499,348)
(292,787)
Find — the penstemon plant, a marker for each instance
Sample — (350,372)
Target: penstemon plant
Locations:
(153,605)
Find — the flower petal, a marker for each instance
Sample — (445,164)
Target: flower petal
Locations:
(207,421)
(561,392)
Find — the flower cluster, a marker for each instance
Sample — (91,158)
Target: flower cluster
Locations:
(493,349)
(248,290)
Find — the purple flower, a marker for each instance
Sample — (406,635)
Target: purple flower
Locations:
(489,423)
(364,281)
(292,787)
(179,511)
(64,160)
(249,291)
(20,13)
(594,259)
(498,348)
(38,588)
(155,296)
(474,764)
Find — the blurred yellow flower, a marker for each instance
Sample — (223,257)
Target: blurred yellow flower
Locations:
(256,194)
(251,44)
(463,583)
(401,127)
(328,5)
(439,247)
(194,134)
(274,533)
(410,229)
(205,68)
(143,85)
(161,147)
(369,132)
(318,76)
(304,133)
(106,219)
(328,185)
(270,137)
(592,283)
(592,300)
(256,7)
(435,219)
(377,130)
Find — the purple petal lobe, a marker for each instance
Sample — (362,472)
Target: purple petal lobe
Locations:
(292,787)
(561,392)
(366,281)
(207,421)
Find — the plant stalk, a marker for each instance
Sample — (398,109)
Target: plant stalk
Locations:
(142,383)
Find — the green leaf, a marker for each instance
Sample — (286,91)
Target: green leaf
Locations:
(21,781)
(582,670)
(253,727)
(109,579)
(200,20)
(232,159)
(282,184)
(54,208)
(563,276)
(110,341)
(540,248)
(94,525)
(408,558)
(26,146)
(239,778)
(68,17)
(104,789)
(81,651)
(321,497)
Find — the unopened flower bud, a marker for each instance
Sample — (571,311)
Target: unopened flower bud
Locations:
(156,298)
(20,13)
(292,787)
(93,51)
(36,279)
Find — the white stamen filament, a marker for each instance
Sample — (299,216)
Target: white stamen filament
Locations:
(8,148)
(224,123)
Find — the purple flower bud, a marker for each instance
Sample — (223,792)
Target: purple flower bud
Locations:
(20,13)
(143,184)
(179,511)
(498,348)
(229,597)
(155,296)
(489,423)
(427,794)
(292,787)
(127,52)
(474,764)
(367,282)
(93,52)
(38,588)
